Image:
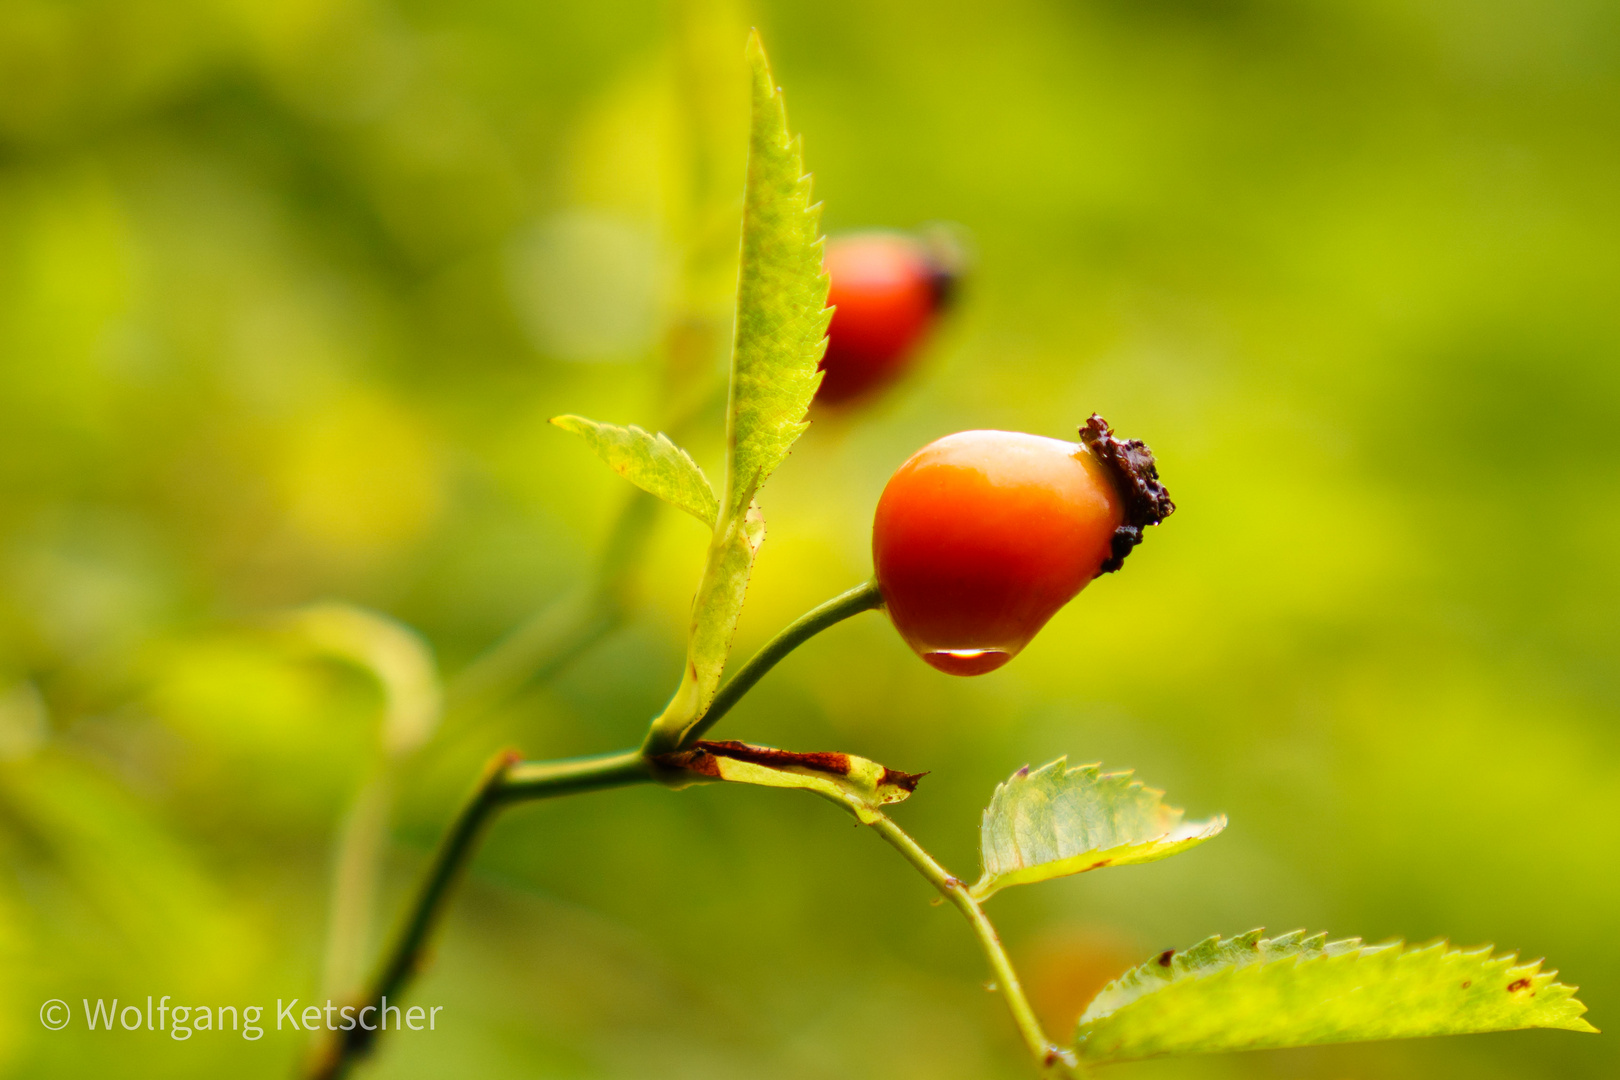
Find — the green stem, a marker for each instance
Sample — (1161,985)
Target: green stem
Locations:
(863,597)
(1046,1052)
(544,779)
(354,883)
(555,635)
(506,780)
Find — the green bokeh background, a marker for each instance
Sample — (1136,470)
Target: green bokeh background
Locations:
(287,292)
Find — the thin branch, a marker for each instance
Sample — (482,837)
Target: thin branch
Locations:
(354,884)
(506,780)
(561,631)
(1043,1049)
(863,597)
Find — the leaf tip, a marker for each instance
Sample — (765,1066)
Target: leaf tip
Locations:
(757,59)
(905,781)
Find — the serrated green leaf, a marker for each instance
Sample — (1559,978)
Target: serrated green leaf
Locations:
(651,462)
(1252,993)
(781,332)
(856,782)
(1057,821)
(782,311)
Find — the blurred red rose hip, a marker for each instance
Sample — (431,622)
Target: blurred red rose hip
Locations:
(888,289)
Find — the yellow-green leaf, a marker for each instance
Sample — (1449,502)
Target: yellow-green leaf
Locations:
(720,599)
(651,462)
(782,311)
(862,785)
(781,332)
(1057,821)
(1251,993)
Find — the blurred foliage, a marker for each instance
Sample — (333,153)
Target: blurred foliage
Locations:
(287,292)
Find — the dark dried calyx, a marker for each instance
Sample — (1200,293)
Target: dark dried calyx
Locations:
(945,249)
(1137,479)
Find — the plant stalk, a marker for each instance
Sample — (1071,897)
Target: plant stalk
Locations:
(557,634)
(361,838)
(1046,1052)
(863,597)
(506,780)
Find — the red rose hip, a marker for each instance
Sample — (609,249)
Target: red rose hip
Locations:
(887,289)
(982,536)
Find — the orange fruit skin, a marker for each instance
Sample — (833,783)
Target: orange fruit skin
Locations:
(885,292)
(980,537)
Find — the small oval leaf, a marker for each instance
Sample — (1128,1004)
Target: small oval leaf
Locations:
(651,462)
(1056,821)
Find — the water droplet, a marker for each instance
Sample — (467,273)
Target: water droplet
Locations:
(967,661)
